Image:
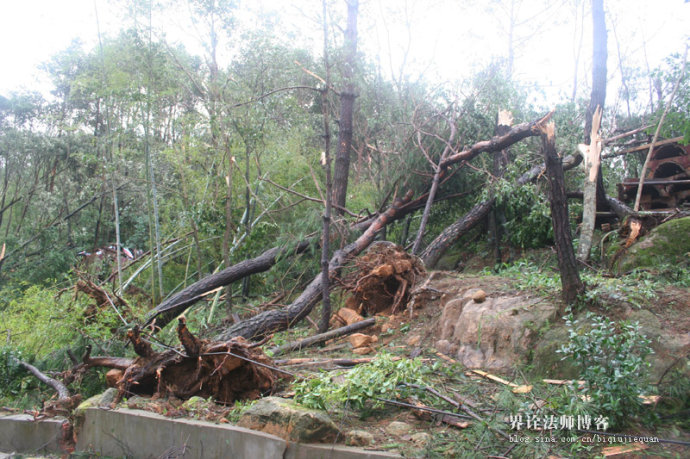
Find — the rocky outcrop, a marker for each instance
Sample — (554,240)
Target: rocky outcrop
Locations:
(491,332)
(285,419)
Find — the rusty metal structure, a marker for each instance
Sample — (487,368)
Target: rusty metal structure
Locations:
(667,182)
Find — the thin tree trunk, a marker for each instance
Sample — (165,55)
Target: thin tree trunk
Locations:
(326,163)
(504,120)
(658,129)
(567,265)
(341,170)
(434,184)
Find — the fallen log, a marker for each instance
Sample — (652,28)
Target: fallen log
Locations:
(165,312)
(268,322)
(61,389)
(500,142)
(322,337)
(309,362)
(449,236)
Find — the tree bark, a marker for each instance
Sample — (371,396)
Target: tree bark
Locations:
(326,164)
(341,170)
(567,265)
(322,337)
(592,156)
(504,120)
(165,312)
(451,234)
(598,95)
(272,321)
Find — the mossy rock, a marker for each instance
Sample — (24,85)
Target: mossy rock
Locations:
(290,421)
(546,362)
(666,244)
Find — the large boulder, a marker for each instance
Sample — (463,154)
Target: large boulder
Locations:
(286,419)
(668,243)
(495,332)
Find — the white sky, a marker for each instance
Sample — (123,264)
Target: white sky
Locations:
(447,38)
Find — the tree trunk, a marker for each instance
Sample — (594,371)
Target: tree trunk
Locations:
(453,233)
(326,164)
(272,321)
(165,312)
(598,96)
(347,101)
(570,277)
(450,235)
(500,161)
(592,154)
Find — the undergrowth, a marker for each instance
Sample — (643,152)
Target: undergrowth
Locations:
(637,287)
(361,388)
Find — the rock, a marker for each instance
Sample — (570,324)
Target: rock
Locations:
(359,438)
(421,438)
(668,243)
(290,421)
(496,334)
(398,428)
(103,400)
(479,296)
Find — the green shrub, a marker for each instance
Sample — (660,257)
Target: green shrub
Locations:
(611,360)
(383,377)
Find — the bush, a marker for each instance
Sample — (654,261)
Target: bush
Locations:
(611,360)
(383,377)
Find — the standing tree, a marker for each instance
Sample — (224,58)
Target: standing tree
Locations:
(567,265)
(326,164)
(595,195)
(341,170)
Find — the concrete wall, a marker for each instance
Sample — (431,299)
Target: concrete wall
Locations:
(21,433)
(141,434)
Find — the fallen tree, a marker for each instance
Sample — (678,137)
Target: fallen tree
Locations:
(454,232)
(165,312)
(267,322)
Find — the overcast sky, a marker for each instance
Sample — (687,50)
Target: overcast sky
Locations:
(446,39)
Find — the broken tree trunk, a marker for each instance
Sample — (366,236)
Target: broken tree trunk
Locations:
(165,312)
(271,321)
(322,337)
(454,232)
(514,135)
(567,265)
(451,234)
(592,156)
